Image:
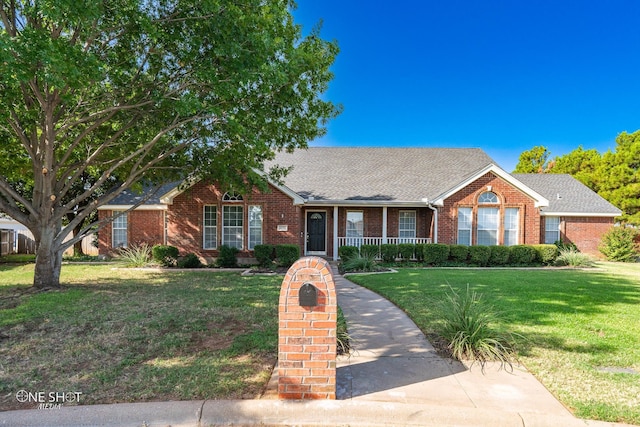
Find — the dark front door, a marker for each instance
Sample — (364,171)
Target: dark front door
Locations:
(316,232)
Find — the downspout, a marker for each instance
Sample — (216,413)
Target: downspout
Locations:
(435,222)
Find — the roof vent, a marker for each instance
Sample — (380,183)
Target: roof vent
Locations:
(558,196)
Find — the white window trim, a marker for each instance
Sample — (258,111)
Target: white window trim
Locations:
(241,226)
(470,229)
(250,244)
(125,228)
(516,230)
(415,225)
(205,227)
(547,230)
(497,229)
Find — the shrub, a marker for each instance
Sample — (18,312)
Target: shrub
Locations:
(568,245)
(389,252)
(165,255)
(287,254)
(264,255)
(369,251)
(136,256)
(458,253)
(360,263)
(546,254)
(406,251)
(419,251)
(573,258)
(227,257)
(499,255)
(347,252)
(618,244)
(522,254)
(467,327)
(190,260)
(435,253)
(479,255)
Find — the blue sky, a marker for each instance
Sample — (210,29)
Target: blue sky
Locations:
(503,76)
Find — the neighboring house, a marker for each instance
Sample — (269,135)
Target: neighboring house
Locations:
(353,196)
(14,237)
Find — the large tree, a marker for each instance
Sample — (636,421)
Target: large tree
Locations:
(581,164)
(100,96)
(533,161)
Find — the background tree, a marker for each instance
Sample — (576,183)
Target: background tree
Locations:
(97,97)
(533,161)
(581,164)
(619,176)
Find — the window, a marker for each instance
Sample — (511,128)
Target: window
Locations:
(488,198)
(551,229)
(231,196)
(255,226)
(210,231)
(407,226)
(488,221)
(232,225)
(511,226)
(464,226)
(119,228)
(355,228)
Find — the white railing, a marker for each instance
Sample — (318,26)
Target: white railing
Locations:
(359,241)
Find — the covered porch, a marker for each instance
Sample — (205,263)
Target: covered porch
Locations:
(329,227)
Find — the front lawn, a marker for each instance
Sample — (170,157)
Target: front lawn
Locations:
(129,335)
(582,327)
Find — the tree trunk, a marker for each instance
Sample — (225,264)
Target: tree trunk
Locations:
(48,260)
(77,246)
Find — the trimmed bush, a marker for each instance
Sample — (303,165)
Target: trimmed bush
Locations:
(546,254)
(618,244)
(406,251)
(347,252)
(419,251)
(264,255)
(499,255)
(227,257)
(435,253)
(190,260)
(458,253)
(389,252)
(165,255)
(287,254)
(522,255)
(479,255)
(369,251)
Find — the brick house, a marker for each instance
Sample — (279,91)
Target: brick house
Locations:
(352,196)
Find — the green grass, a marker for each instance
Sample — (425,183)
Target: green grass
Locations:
(129,335)
(574,323)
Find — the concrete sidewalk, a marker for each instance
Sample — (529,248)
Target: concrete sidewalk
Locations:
(393,378)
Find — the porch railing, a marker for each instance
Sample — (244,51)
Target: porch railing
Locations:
(377,241)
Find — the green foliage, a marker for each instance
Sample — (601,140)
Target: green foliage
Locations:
(165,255)
(522,255)
(479,255)
(546,254)
(190,260)
(136,256)
(566,246)
(227,257)
(140,94)
(459,253)
(406,251)
(499,255)
(265,255)
(369,251)
(287,254)
(435,253)
(419,251)
(360,263)
(533,161)
(347,252)
(467,327)
(389,252)
(342,335)
(573,258)
(619,244)
(581,164)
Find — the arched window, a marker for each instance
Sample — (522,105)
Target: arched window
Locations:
(231,196)
(488,198)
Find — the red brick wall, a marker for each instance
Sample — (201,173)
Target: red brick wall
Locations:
(509,196)
(144,226)
(585,232)
(186,216)
(373,221)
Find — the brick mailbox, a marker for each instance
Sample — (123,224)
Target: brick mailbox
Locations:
(307,332)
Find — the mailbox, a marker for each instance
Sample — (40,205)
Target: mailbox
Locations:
(308,295)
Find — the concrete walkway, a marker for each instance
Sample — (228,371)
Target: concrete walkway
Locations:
(393,378)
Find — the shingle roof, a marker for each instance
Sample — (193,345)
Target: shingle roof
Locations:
(567,195)
(389,174)
(129,197)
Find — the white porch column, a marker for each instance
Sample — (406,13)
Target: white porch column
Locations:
(335,233)
(384,224)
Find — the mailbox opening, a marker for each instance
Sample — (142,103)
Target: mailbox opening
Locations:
(308,295)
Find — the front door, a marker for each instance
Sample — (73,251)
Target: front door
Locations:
(316,233)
